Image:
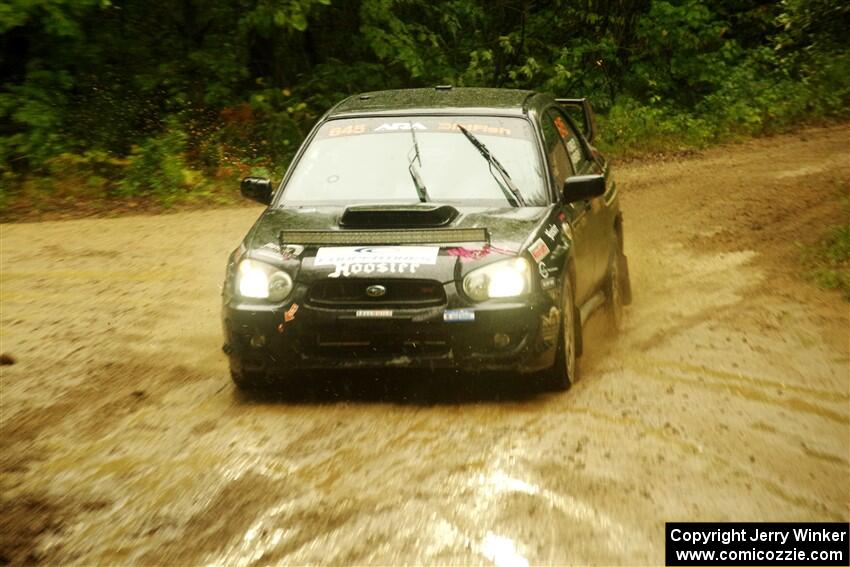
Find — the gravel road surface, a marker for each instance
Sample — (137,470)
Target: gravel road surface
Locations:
(725,398)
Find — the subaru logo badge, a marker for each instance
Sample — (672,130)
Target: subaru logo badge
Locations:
(376,291)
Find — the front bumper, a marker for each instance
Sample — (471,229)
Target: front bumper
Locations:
(518,336)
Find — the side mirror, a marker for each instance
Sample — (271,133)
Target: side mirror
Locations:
(257,189)
(581,187)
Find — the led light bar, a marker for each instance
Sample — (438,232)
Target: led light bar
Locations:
(354,237)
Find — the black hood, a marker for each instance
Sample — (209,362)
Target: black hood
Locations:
(509,229)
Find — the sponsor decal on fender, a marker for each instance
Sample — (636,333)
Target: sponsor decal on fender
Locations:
(288,317)
(291,251)
(290,313)
(539,250)
(550,325)
(468,254)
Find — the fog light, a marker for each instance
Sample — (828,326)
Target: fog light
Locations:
(258,341)
(501,340)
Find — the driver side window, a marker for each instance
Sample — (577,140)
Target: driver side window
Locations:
(570,139)
(560,166)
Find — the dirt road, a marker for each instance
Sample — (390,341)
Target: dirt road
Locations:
(725,398)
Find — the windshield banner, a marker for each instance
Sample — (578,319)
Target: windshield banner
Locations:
(479,125)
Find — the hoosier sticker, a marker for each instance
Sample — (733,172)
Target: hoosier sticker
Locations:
(333,255)
(353,260)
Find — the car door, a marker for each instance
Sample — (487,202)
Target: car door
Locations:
(593,212)
(575,220)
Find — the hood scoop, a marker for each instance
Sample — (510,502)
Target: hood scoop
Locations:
(397,216)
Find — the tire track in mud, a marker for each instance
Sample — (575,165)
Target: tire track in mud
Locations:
(725,398)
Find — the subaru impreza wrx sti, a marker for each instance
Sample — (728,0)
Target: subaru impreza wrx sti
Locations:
(472,229)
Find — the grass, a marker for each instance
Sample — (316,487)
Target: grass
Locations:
(828,263)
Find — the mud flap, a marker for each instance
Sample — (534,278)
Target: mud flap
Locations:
(579,329)
(625,281)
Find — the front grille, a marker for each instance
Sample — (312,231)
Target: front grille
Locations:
(352,292)
(349,344)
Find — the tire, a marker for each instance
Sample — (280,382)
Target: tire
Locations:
(625,280)
(618,288)
(247,380)
(565,370)
(614,294)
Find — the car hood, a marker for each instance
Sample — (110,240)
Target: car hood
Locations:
(510,228)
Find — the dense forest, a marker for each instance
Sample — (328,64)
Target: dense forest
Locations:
(163,99)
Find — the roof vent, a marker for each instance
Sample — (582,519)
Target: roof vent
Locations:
(365,97)
(443,88)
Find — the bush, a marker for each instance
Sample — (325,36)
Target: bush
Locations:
(828,263)
(90,174)
(158,167)
(224,87)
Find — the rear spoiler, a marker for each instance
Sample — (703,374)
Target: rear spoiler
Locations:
(587,123)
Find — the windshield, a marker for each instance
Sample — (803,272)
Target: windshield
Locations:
(392,159)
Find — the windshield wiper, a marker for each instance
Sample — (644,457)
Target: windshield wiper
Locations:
(414,171)
(509,188)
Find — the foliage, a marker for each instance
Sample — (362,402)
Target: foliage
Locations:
(158,99)
(158,166)
(828,263)
(834,271)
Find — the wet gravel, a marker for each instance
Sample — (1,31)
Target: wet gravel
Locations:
(724,398)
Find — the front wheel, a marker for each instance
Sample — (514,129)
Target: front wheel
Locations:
(248,381)
(247,377)
(618,289)
(614,293)
(565,370)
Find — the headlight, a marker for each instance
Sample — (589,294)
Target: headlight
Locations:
(508,278)
(258,280)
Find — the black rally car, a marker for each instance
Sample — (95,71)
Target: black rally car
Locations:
(473,229)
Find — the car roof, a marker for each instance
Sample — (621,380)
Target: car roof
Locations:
(438,100)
